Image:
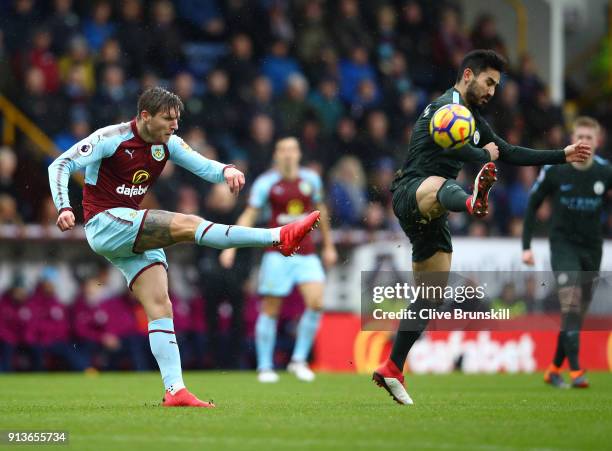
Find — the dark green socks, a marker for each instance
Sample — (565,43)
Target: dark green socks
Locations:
(452,197)
(560,352)
(408,333)
(570,328)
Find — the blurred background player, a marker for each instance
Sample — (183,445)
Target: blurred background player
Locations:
(291,192)
(426,189)
(121,162)
(577,192)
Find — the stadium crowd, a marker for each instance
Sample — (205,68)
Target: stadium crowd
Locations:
(38,331)
(347,77)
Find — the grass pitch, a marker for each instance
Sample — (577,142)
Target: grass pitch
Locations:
(119,411)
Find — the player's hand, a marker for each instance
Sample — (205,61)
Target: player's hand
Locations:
(227,257)
(577,152)
(329,256)
(65,221)
(528,257)
(493,150)
(234,179)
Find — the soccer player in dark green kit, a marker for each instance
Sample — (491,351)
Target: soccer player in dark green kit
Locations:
(577,192)
(425,190)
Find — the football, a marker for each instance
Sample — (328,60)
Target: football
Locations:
(452,126)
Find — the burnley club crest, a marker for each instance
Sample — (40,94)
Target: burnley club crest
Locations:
(158,152)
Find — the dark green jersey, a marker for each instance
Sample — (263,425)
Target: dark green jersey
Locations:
(577,202)
(426,158)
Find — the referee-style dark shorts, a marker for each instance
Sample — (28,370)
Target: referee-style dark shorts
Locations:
(427,236)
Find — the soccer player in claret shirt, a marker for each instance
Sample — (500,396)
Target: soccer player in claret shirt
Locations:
(425,190)
(121,162)
(577,192)
(291,192)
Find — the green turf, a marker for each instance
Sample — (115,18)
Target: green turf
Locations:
(119,412)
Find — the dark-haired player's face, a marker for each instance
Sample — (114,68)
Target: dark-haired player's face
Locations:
(287,154)
(481,88)
(161,126)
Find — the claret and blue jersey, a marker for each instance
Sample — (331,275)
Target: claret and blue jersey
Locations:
(289,200)
(120,167)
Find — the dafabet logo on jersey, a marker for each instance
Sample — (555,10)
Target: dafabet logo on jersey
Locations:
(140,176)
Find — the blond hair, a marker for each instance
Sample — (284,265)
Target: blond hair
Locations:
(586,121)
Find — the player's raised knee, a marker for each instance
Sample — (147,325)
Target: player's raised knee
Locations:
(183,227)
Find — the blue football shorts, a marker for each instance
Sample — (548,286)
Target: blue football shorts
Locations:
(279,274)
(112,234)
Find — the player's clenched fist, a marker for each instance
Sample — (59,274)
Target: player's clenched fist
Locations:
(65,221)
(493,150)
(577,152)
(234,179)
(527,257)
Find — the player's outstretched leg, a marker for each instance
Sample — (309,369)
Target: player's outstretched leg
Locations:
(160,229)
(478,203)
(286,238)
(151,289)
(293,233)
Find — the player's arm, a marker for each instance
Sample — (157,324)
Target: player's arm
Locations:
(84,153)
(523,156)
(468,153)
(246,219)
(328,251)
(258,197)
(211,171)
(541,188)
